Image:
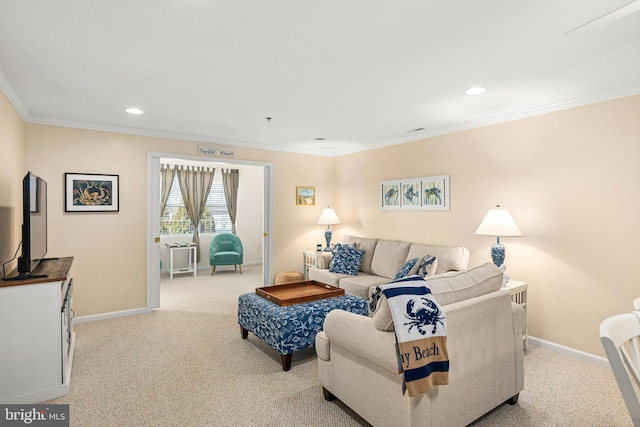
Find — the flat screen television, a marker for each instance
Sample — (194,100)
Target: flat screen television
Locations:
(34,225)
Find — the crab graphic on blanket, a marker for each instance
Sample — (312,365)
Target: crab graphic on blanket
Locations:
(421,334)
(428,314)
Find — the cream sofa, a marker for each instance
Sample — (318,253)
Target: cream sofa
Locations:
(382,260)
(357,356)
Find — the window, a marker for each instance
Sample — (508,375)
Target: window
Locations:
(175,220)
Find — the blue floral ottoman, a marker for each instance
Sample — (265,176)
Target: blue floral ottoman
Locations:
(290,328)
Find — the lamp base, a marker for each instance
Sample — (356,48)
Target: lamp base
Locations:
(497,253)
(327,237)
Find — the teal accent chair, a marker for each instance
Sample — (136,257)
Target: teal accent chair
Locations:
(225,249)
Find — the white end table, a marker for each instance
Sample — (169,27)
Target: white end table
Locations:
(310,259)
(518,292)
(193,258)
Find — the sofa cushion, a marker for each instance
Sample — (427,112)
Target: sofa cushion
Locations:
(359,285)
(388,257)
(406,268)
(466,284)
(323,275)
(448,289)
(346,260)
(450,258)
(366,245)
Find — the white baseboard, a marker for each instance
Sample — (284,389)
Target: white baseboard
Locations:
(111,315)
(572,352)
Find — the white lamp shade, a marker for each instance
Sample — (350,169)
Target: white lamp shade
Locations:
(498,222)
(328,217)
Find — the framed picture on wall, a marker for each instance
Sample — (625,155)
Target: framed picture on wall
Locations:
(410,194)
(390,194)
(424,193)
(305,196)
(85,192)
(435,192)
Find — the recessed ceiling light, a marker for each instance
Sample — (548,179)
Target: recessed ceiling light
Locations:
(475,90)
(319,139)
(133,110)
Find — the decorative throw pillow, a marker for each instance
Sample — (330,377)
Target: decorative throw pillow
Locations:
(405,269)
(346,260)
(375,297)
(427,266)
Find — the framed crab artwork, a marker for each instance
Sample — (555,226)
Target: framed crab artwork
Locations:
(86,192)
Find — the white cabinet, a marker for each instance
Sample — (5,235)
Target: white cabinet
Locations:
(36,335)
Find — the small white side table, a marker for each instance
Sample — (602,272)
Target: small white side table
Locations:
(518,292)
(193,258)
(310,259)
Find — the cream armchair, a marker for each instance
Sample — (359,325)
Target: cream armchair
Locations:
(357,358)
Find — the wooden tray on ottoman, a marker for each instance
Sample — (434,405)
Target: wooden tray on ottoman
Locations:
(297,293)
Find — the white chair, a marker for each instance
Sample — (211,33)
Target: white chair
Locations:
(636,304)
(619,334)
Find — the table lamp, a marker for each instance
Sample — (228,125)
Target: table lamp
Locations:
(328,217)
(498,222)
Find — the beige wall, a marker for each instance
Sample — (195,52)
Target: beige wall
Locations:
(110,248)
(11,173)
(571,181)
(569,178)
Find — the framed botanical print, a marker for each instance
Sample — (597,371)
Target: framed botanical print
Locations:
(424,193)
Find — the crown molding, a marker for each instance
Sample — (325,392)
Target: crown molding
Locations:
(13,97)
(75,124)
(503,118)
(17,103)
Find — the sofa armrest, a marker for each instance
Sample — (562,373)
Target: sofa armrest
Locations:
(323,260)
(357,334)
(519,319)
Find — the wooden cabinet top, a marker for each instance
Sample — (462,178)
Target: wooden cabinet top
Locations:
(56,270)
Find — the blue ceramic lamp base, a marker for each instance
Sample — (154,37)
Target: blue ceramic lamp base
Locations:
(497,255)
(327,237)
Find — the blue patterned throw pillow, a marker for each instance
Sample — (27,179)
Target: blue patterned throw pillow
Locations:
(405,269)
(346,260)
(427,266)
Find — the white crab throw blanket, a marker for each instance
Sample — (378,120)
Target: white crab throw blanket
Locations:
(421,334)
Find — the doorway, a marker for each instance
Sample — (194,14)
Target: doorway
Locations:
(153,219)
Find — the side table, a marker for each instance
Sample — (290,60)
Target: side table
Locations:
(192,266)
(518,292)
(310,259)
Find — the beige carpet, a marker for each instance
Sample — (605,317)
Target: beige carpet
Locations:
(186,365)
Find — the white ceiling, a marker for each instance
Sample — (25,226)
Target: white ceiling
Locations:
(359,73)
